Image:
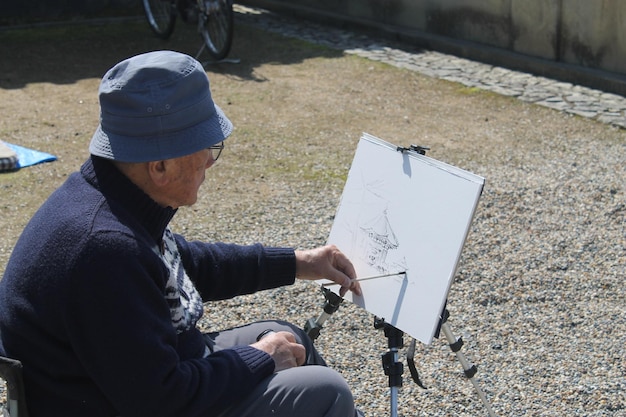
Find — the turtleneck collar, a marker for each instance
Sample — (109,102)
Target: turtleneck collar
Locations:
(115,186)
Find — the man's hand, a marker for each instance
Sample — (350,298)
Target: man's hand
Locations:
(283,348)
(330,263)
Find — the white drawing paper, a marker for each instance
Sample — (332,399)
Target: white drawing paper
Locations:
(404,212)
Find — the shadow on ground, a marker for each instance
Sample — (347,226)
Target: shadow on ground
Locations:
(65,53)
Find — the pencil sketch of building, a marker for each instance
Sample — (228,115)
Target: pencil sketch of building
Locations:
(377,240)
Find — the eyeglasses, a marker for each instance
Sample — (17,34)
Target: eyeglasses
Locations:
(219,147)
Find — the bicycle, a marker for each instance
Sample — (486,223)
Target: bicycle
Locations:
(214,19)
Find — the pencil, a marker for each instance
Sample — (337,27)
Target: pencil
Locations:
(327,284)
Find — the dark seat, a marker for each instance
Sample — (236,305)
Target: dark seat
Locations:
(11,372)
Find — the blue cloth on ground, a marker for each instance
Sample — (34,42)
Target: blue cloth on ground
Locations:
(27,157)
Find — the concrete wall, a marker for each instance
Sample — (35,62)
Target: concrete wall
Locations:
(581,41)
(592,34)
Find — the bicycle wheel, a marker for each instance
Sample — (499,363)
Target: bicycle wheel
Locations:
(216,27)
(161,15)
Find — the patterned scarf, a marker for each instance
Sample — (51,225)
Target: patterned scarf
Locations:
(182,297)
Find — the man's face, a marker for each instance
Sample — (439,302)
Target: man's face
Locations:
(187,174)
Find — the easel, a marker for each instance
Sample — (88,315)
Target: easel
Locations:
(392,367)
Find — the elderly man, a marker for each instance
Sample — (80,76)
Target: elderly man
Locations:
(100,299)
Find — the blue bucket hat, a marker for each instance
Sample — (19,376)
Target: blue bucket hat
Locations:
(157,106)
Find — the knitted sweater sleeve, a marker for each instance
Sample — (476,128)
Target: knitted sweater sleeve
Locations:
(120,329)
(222,271)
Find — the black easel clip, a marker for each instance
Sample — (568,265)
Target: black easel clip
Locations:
(415,148)
(420,149)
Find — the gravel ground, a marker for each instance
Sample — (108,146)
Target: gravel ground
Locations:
(538,297)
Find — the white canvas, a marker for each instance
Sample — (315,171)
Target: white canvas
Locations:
(404,212)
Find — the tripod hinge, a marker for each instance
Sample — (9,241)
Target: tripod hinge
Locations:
(393,369)
(312,328)
(456,346)
(469,373)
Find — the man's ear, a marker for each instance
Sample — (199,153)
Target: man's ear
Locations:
(158,172)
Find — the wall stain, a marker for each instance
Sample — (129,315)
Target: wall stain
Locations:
(470,24)
(584,54)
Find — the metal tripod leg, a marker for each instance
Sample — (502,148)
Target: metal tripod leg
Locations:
(313,327)
(470,370)
(392,367)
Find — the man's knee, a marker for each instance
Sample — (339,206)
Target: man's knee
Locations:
(321,389)
(305,391)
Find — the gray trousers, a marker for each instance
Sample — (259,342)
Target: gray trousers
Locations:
(311,390)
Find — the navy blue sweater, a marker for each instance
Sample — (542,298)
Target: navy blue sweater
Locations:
(82,306)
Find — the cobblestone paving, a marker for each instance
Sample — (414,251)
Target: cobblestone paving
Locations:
(562,96)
